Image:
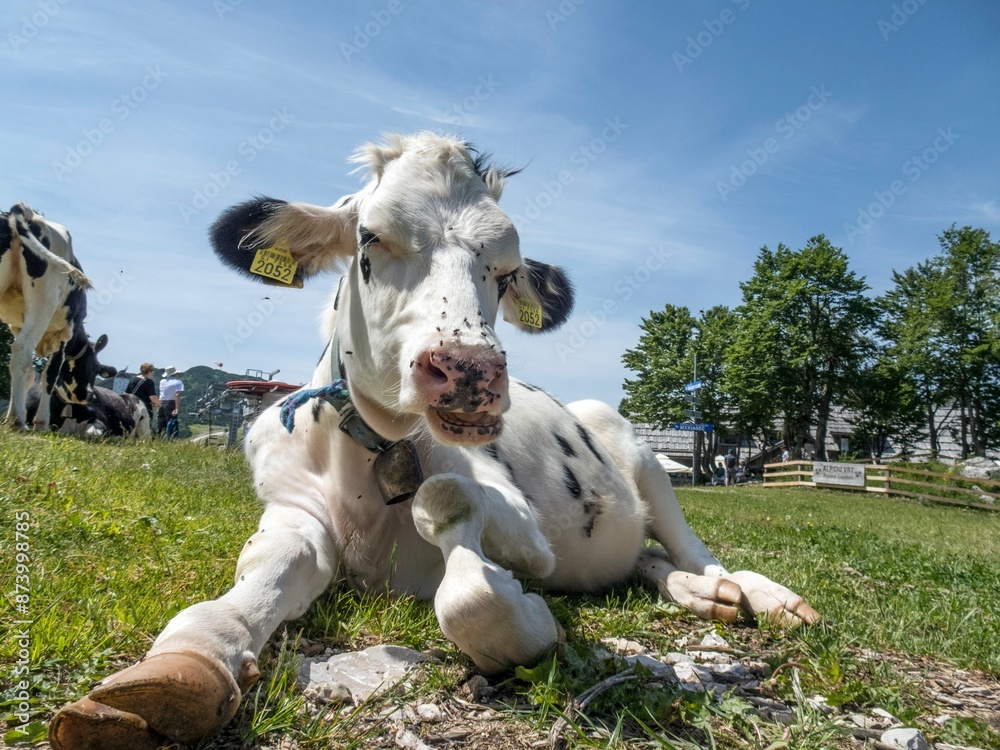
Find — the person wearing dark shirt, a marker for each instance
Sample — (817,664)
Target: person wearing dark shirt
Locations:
(144,388)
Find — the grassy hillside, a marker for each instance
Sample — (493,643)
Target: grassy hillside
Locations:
(199,379)
(118,538)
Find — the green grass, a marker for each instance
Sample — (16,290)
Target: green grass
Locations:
(893,573)
(121,537)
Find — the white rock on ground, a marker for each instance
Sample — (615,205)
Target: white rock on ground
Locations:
(714,640)
(905,738)
(363,673)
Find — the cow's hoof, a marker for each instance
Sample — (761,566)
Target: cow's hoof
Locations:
(86,725)
(763,599)
(173,696)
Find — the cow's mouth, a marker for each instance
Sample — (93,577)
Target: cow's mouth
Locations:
(465,427)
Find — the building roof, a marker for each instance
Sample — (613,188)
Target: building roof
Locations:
(671,442)
(678,443)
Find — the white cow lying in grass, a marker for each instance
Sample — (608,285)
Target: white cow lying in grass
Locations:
(412,395)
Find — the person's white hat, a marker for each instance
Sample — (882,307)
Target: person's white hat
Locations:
(169,371)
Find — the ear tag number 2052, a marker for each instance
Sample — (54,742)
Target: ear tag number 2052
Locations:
(529,314)
(275,262)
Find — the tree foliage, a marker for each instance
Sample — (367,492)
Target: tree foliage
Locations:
(943,330)
(803,334)
(664,361)
(808,337)
(885,407)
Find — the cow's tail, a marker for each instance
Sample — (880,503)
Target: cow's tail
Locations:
(75,274)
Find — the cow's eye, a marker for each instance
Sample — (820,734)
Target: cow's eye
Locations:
(366,237)
(505,281)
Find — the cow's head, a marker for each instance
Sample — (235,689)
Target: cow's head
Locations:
(432,260)
(72,371)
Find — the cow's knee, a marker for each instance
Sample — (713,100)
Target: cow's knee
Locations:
(445,510)
(480,606)
(451,509)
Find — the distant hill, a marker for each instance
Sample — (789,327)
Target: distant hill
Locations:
(198,381)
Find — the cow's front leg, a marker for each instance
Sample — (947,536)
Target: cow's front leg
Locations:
(191,682)
(710,597)
(480,606)
(688,572)
(21,349)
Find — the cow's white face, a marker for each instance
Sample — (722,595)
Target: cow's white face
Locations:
(432,260)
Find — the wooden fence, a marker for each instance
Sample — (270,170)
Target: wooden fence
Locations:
(895,479)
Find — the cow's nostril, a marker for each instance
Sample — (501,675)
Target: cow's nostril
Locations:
(498,386)
(432,370)
(436,373)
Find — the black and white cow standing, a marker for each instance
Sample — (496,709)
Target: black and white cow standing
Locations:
(42,299)
(413,396)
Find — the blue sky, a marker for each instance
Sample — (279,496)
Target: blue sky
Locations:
(663,145)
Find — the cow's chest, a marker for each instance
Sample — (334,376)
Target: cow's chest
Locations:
(587,509)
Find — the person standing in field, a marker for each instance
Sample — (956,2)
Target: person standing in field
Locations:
(170,403)
(143,387)
(730,460)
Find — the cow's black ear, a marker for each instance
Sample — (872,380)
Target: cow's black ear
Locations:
(102,341)
(539,299)
(107,371)
(283,243)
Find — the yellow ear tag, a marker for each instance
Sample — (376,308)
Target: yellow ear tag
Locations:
(275,262)
(529,314)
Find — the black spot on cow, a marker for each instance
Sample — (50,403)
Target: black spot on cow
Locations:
(317,409)
(114,412)
(336,299)
(588,529)
(529,387)
(585,437)
(6,236)
(572,483)
(468,395)
(366,268)
(76,307)
(492,451)
(564,445)
(34,265)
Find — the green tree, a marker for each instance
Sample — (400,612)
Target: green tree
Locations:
(885,407)
(664,360)
(970,270)
(942,329)
(911,329)
(803,335)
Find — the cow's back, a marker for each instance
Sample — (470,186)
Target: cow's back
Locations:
(31,285)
